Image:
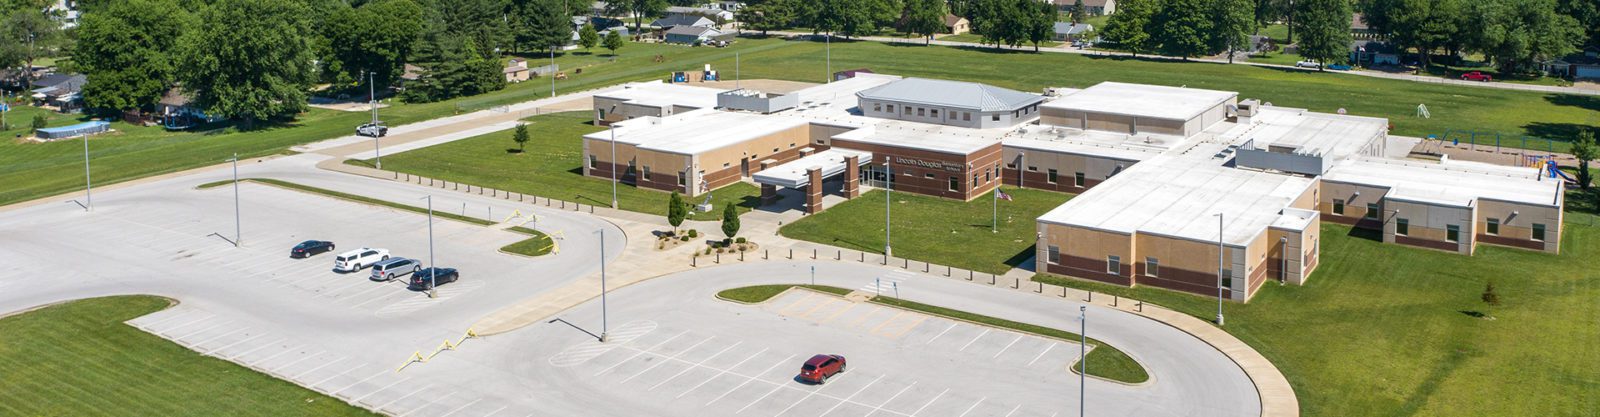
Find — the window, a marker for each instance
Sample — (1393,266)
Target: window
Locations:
(986,176)
(966,116)
(1055,255)
(877,107)
(1077,180)
(934,112)
(974,181)
(930,175)
(631,168)
(1538,232)
(727,164)
(922,112)
(1033,168)
(647,172)
(1452,233)
(594,162)
(1114,265)
(890,108)
(1227,277)
(1372,211)
(955,183)
(994,117)
(1338,207)
(600,114)
(1493,227)
(908,110)
(1050,177)
(1152,267)
(682,179)
(1402,227)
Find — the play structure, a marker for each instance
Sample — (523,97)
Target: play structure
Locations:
(704,75)
(1554,170)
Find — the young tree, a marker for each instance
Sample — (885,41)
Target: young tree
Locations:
(730,220)
(1232,21)
(925,18)
(1078,14)
(376,38)
(613,42)
(1324,27)
(1127,27)
(588,37)
(1489,296)
(520,136)
(1177,29)
(127,51)
(677,210)
(248,59)
(1585,150)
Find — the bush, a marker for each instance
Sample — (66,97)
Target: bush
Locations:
(685,238)
(694,233)
(39,121)
(739,240)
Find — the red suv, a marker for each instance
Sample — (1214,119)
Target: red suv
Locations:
(819,368)
(1476,76)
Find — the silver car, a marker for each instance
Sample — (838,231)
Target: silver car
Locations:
(394,267)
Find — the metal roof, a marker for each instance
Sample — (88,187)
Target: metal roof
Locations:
(957,94)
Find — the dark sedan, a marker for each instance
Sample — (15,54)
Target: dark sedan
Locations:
(427,278)
(310,247)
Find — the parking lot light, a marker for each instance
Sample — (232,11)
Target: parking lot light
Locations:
(433,272)
(603,323)
(237,236)
(1083,365)
(88,186)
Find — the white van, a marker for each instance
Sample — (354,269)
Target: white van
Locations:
(360,258)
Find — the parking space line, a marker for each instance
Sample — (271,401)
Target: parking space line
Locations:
(807,297)
(334,291)
(875,310)
(975,339)
(941,334)
(374,288)
(908,327)
(249,265)
(1008,347)
(930,402)
(974,405)
(203,330)
(891,319)
(836,314)
(808,395)
(696,365)
(263,346)
(463,407)
(385,387)
(335,376)
(359,382)
(1014,410)
(879,407)
(608,368)
(721,373)
(827,301)
(685,351)
(283,352)
(847,399)
(297,377)
(203,342)
(749,380)
(391,402)
(258,336)
(1051,345)
(186,324)
(430,402)
(775,388)
(406,294)
(169,317)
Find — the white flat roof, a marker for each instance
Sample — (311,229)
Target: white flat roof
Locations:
(923,136)
(1141,100)
(836,101)
(1090,142)
(1449,183)
(659,94)
(793,173)
(1320,134)
(696,131)
(1177,194)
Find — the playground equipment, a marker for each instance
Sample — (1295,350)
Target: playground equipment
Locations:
(1556,170)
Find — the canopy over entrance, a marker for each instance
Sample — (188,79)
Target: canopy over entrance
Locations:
(793,174)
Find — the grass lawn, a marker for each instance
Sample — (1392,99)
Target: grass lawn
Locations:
(550,167)
(537,244)
(937,230)
(1106,361)
(78,358)
(1397,325)
(975,38)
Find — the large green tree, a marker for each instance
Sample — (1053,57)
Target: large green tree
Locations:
(1127,28)
(1037,20)
(1324,27)
(26,35)
(1425,25)
(1517,34)
(924,18)
(1232,22)
(377,38)
(128,51)
(1585,150)
(768,15)
(588,37)
(1587,13)
(485,21)
(638,9)
(544,25)
(1181,28)
(248,59)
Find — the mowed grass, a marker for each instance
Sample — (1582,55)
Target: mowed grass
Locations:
(79,359)
(537,243)
(551,166)
(930,229)
(761,293)
(1388,330)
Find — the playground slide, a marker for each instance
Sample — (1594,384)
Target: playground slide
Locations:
(1563,174)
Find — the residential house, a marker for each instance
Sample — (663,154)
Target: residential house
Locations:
(517,71)
(1090,7)
(1364,52)
(1068,31)
(1359,28)
(177,110)
(710,12)
(59,92)
(1580,66)
(956,25)
(673,21)
(694,34)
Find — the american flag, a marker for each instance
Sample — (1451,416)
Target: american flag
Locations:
(1002,195)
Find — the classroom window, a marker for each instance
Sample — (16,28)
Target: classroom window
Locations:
(1055,255)
(922,112)
(1372,211)
(995,117)
(593,162)
(682,179)
(1402,227)
(1227,278)
(974,181)
(1114,265)
(934,112)
(930,175)
(1077,180)
(1538,232)
(1152,267)
(1338,207)
(647,172)
(890,108)
(986,176)
(1452,233)
(1050,177)
(955,183)
(966,116)
(1033,168)
(1493,227)
(877,107)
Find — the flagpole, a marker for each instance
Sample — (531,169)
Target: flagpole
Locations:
(994,225)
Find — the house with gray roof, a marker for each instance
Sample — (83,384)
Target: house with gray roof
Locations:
(1068,31)
(950,103)
(674,21)
(693,34)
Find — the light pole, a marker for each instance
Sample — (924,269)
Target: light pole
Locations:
(888,188)
(1219,269)
(237,237)
(994,222)
(1022,169)
(1083,366)
(613,128)
(552,71)
(828,54)
(603,320)
(372,97)
(88,185)
(433,269)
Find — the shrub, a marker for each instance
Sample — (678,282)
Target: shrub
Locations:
(708,251)
(694,233)
(739,240)
(39,122)
(685,238)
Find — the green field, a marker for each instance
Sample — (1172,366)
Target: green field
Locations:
(978,39)
(1388,330)
(550,167)
(79,359)
(537,243)
(937,230)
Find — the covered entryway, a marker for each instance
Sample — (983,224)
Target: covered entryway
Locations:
(809,174)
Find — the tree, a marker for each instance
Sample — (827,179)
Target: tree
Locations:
(768,15)
(1324,27)
(520,136)
(484,21)
(1587,13)
(847,17)
(1232,22)
(375,39)
(1038,20)
(730,220)
(1517,34)
(544,25)
(1078,14)
(588,37)
(677,210)
(1178,30)
(925,18)
(613,42)
(27,35)
(455,68)
(1489,296)
(1585,150)
(1426,25)
(1127,27)
(127,51)
(248,59)
(637,8)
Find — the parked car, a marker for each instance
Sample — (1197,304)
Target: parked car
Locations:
(310,247)
(360,258)
(372,130)
(1339,67)
(1308,64)
(819,368)
(1476,76)
(426,279)
(388,269)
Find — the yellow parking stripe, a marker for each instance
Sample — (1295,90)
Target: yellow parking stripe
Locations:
(886,322)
